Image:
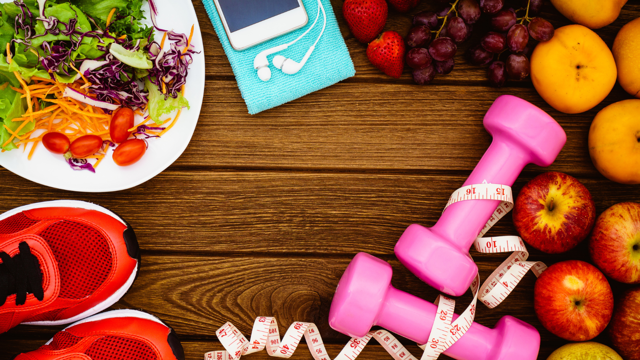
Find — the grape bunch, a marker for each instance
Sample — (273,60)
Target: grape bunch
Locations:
(433,39)
(507,47)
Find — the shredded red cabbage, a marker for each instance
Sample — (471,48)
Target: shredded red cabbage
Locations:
(142,131)
(80,164)
(171,67)
(111,83)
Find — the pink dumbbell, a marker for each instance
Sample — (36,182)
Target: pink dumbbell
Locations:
(365,298)
(522,134)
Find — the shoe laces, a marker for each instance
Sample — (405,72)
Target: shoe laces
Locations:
(20,275)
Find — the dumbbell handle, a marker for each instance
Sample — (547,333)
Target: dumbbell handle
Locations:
(462,222)
(412,317)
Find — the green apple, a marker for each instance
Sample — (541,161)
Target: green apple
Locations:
(584,351)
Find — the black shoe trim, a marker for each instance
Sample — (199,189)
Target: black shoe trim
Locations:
(175,345)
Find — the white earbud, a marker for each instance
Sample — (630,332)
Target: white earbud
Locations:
(261,63)
(288,66)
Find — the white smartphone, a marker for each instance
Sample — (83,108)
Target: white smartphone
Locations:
(251,22)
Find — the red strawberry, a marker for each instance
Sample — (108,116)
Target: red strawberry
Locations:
(366,18)
(404,5)
(387,53)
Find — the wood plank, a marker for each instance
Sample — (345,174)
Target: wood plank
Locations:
(283,212)
(197,294)
(194,350)
(218,65)
(387,126)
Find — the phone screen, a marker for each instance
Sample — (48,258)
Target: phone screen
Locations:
(244,13)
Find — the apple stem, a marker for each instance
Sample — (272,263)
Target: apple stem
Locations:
(551,205)
(638,136)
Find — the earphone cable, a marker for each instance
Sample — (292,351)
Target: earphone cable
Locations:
(324,26)
(312,26)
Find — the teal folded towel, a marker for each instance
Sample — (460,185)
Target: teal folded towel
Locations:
(329,63)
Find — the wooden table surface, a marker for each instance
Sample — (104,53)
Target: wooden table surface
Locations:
(262,214)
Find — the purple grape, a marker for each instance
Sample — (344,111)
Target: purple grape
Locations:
(517,38)
(469,10)
(457,29)
(496,74)
(419,36)
(477,55)
(444,67)
(428,18)
(518,66)
(493,42)
(444,12)
(444,32)
(540,29)
(442,48)
(418,58)
(503,20)
(534,6)
(491,6)
(424,76)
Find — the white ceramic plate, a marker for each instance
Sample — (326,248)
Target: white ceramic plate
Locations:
(51,170)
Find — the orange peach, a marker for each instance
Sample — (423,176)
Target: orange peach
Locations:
(614,141)
(574,71)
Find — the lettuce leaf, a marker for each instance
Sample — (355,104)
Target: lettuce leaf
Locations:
(7,71)
(159,106)
(11,106)
(64,12)
(126,21)
(6,31)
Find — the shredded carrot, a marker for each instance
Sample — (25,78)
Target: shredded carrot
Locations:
(164,37)
(35,52)
(37,78)
(33,149)
(113,11)
(81,74)
(4,86)
(190,37)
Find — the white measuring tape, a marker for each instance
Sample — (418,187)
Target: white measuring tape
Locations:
(444,332)
(500,283)
(265,334)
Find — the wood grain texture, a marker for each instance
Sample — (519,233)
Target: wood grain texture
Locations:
(284,212)
(194,350)
(382,127)
(196,295)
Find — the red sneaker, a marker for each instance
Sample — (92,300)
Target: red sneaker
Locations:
(63,261)
(113,335)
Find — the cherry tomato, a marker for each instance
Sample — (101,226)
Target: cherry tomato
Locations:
(129,152)
(86,145)
(121,122)
(56,142)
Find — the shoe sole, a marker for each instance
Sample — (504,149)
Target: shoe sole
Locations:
(174,344)
(115,297)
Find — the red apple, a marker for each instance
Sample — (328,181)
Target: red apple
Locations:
(625,325)
(615,242)
(554,212)
(573,300)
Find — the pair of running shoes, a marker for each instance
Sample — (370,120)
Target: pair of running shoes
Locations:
(64,262)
